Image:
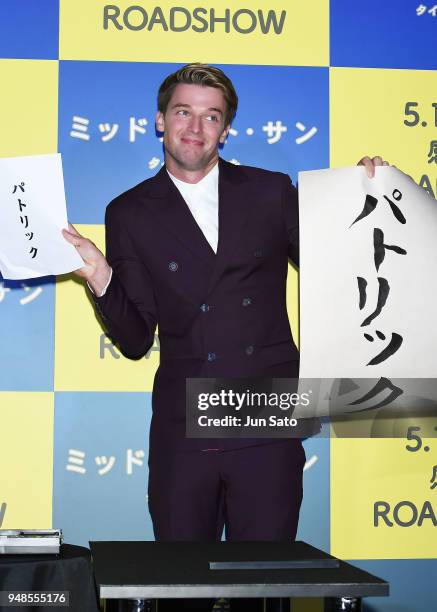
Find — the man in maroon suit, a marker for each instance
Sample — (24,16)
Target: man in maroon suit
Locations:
(202,250)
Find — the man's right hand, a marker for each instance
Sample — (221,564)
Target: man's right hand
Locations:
(96,270)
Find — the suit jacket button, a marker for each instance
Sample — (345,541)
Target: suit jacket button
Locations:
(212,356)
(249,350)
(246,301)
(173,266)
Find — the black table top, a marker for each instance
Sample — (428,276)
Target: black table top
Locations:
(182,569)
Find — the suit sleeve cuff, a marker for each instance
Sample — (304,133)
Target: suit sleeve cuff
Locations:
(104,288)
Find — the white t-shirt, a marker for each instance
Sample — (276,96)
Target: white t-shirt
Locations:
(202,200)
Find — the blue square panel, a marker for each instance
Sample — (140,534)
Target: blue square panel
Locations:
(29,29)
(100,466)
(314,516)
(283,119)
(412,585)
(383,34)
(27,334)
(107,131)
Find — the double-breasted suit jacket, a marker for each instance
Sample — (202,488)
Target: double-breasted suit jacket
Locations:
(218,315)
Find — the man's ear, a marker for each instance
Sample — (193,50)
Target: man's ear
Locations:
(159,121)
(224,134)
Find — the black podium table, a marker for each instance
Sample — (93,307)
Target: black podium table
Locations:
(70,571)
(150,570)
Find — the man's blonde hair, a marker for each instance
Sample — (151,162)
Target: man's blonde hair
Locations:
(204,75)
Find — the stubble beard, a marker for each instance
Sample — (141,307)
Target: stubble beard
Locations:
(186,163)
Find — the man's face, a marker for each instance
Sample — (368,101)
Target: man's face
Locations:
(193,126)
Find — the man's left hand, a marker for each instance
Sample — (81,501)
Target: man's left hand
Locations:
(370,164)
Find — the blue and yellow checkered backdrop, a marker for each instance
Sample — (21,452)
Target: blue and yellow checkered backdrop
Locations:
(320,84)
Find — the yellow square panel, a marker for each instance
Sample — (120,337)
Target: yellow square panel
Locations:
(26,460)
(276,32)
(28,107)
(85,358)
(293,301)
(370,110)
(383,505)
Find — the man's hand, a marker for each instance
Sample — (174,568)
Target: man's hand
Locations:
(371,163)
(96,270)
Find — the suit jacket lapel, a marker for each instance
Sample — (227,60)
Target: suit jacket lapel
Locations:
(234,208)
(171,211)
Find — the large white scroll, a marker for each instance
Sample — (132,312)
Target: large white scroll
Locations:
(32,214)
(368,275)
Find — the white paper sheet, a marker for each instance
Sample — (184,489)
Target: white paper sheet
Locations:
(32,214)
(335,252)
